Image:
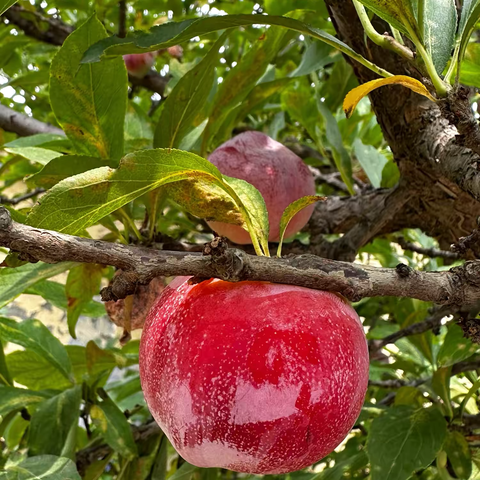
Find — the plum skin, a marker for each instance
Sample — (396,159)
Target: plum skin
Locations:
(139,64)
(275,171)
(254,377)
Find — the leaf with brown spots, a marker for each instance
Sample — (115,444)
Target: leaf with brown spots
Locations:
(79,202)
(89,101)
(83,283)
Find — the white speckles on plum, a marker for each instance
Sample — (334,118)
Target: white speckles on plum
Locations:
(254,377)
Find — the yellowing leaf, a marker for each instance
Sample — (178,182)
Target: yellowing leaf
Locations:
(355,95)
(291,211)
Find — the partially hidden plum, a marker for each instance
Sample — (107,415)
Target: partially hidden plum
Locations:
(252,376)
(279,175)
(139,64)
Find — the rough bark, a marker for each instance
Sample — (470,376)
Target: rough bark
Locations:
(459,286)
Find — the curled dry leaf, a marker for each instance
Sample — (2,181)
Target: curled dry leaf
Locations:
(137,304)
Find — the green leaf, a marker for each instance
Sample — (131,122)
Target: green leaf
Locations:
(371,160)
(6,4)
(468,20)
(317,55)
(66,166)
(314,115)
(83,283)
(291,211)
(5,377)
(14,281)
(12,399)
(54,293)
(115,428)
(30,79)
(355,462)
(35,154)
(171,33)
(185,107)
(458,452)
(159,471)
(51,141)
(404,440)
(455,347)
(440,26)
(29,369)
(398,13)
(43,467)
(241,80)
(185,472)
(52,422)
(441,386)
(81,201)
(34,336)
(341,157)
(89,101)
(34,372)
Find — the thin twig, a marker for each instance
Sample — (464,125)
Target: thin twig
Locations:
(122,19)
(428,252)
(17,200)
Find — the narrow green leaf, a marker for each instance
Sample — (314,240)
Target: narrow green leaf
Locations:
(159,471)
(455,347)
(83,283)
(441,386)
(458,453)
(81,201)
(89,101)
(355,462)
(35,154)
(404,440)
(185,107)
(185,472)
(12,399)
(43,467)
(6,4)
(66,166)
(291,211)
(468,21)
(50,141)
(172,33)
(341,157)
(34,336)
(371,160)
(241,80)
(316,55)
(440,26)
(473,390)
(5,377)
(398,13)
(30,79)
(115,428)
(52,422)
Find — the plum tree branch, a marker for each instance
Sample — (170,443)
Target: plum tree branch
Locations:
(16,122)
(458,286)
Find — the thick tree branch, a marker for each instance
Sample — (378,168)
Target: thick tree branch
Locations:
(16,122)
(459,286)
